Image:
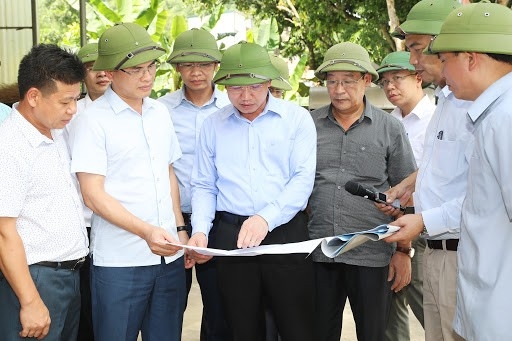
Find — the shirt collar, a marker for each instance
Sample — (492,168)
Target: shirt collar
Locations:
(487,97)
(119,105)
(33,136)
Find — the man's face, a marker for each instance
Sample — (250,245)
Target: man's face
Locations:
(428,66)
(55,110)
(95,81)
(197,76)
(134,83)
(401,86)
(455,71)
(346,98)
(250,100)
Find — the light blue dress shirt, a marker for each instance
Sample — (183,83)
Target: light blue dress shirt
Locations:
(5,110)
(265,166)
(188,119)
(484,300)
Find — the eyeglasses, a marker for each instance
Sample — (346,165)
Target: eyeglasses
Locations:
(190,66)
(237,89)
(395,80)
(139,71)
(276,91)
(330,83)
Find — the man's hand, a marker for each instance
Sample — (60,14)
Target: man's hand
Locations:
(400,270)
(252,232)
(35,319)
(198,239)
(411,226)
(158,240)
(189,261)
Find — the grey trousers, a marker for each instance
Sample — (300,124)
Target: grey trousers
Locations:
(412,295)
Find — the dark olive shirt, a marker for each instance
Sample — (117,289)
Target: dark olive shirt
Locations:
(374,152)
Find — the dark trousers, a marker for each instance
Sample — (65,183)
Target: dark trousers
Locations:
(60,291)
(150,299)
(283,283)
(213,322)
(85,331)
(369,294)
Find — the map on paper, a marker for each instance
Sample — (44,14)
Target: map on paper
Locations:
(331,246)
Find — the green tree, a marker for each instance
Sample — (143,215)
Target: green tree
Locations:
(312,26)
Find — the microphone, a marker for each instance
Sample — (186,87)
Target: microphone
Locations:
(359,190)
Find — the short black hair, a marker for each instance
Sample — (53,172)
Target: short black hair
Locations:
(45,64)
(505,58)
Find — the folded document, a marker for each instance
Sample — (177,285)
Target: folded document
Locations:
(331,246)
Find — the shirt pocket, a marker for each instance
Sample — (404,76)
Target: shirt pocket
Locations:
(449,160)
(367,161)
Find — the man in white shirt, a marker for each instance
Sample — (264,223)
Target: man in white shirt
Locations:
(43,241)
(123,151)
(439,185)
(403,88)
(475,47)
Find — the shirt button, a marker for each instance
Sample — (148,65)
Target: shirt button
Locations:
(339,187)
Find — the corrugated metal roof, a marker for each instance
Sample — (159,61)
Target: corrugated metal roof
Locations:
(15,36)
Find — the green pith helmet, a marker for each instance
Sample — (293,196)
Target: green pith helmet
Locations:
(245,64)
(478,27)
(346,56)
(125,45)
(396,61)
(195,45)
(426,17)
(88,52)
(283,81)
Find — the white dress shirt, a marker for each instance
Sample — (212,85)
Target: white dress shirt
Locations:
(133,152)
(415,124)
(38,189)
(442,177)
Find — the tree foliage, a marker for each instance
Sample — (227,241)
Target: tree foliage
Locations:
(312,26)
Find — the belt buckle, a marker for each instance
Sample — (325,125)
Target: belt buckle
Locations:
(78,263)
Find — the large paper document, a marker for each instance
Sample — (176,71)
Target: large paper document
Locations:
(334,246)
(331,246)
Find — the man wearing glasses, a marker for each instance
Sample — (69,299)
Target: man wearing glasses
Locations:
(403,87)
(252,177)
(123,151)
(196,57)
(356,142)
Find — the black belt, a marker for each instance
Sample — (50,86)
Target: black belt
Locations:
(67,265)
(231,218)
(451,244)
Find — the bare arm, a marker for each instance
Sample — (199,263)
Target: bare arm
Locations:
(103,204)
(34,315)
(176,207)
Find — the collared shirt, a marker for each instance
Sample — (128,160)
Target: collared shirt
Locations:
(5,111)
(38,189)
(188,119)
(69,137)
(265,166)
(415,124)
(442,177)
(374,152)
(485,254)
(133,152)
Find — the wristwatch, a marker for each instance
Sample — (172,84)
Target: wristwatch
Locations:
(409,251)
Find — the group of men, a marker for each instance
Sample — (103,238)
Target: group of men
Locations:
(241,168)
